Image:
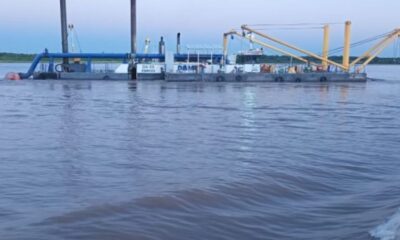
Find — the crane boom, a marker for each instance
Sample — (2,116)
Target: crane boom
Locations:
(369,55)
(233,32)
(378,49)
(308,53)
(389,38)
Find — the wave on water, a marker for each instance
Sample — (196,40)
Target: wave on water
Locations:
(390,230)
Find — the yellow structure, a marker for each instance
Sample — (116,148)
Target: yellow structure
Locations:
(225,45)
(325,49)
(255,40)
(368,56)
(308,53)
(346,49)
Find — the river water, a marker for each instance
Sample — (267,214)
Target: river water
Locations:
(125,160)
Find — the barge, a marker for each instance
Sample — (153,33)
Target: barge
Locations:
(268,77)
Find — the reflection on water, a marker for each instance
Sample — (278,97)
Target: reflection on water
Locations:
(156,160)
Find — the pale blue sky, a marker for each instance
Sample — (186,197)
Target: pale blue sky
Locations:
(103,25)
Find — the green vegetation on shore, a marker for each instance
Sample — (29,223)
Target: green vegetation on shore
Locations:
(16,57)
(20,57)
(27,58)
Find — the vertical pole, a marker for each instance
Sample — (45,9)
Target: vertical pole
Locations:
(64,28)
(161,46)
(133,27)
(178,43)
(325,51)
(133,66)
(347,43)
(212,61)
(225,50)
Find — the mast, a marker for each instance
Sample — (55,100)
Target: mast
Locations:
(64,29)
(133,27)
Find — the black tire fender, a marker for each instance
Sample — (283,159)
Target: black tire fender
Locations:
(323,79)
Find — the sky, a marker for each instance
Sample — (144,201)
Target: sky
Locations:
(29,26)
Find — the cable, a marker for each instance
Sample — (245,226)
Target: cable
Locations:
(295,24)
(360,43)
(288,28)
(77,40)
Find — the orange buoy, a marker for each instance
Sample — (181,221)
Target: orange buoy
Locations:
(13,76)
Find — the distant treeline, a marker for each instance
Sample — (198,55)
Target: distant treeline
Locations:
(16,57)
(22,58)
(285,59)
(19,57)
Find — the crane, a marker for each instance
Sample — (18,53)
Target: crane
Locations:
(248,33)
(291,46)
(324,59)
(255,40)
